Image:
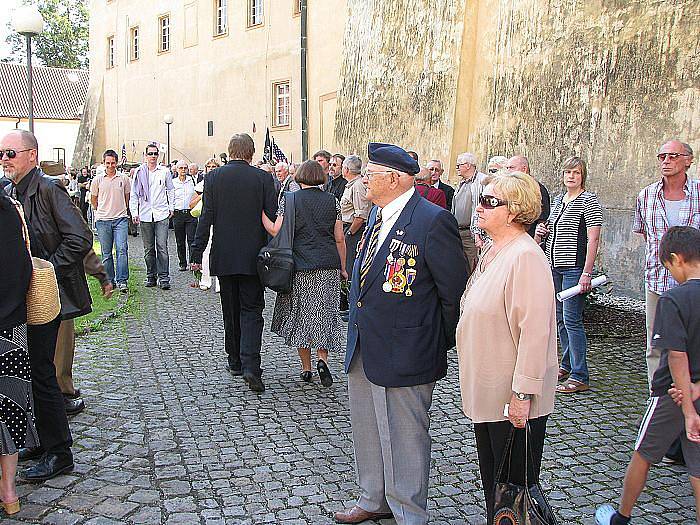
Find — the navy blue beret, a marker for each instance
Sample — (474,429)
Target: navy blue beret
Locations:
(392,157)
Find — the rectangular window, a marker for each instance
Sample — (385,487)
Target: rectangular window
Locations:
(110,51)
(282,104)
(255,13)
(164,34)
(59,155)
(297,7)
(220,17)
(135,44)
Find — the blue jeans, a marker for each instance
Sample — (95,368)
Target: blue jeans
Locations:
(155,250)
(113,234)
(572,336)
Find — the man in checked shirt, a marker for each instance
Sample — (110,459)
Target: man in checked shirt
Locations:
(672,201)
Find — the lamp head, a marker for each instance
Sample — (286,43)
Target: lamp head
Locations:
(28,20)
(168,118)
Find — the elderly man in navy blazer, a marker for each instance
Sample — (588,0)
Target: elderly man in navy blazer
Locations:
(408,278)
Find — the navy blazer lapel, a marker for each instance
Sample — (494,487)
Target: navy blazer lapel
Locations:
(379,262)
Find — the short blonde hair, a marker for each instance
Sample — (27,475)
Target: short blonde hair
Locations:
(213,161)
(522,193)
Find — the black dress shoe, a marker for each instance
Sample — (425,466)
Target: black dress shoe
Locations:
(254,382)
(50,466)
(73,406)
(165,286)
(74,395)
(149,284)
(234,371)
(27,454)
(324,373)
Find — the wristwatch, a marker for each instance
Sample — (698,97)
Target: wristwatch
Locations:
(522,397)
(586,274)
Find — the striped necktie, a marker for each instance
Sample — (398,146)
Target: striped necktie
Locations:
(371,248)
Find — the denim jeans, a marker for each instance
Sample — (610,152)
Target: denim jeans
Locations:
(572,336)
(155,250)
(114,234)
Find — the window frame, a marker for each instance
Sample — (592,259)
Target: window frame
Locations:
(250,23)
(296,7)
(111,52)
(276,107)
(220,6)
(134,43)
(60,154)
(162,18)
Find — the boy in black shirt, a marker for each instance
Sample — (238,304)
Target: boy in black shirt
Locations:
(677,335)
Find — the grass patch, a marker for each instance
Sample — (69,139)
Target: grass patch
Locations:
(117,304)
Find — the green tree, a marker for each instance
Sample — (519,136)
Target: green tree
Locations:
(64,41)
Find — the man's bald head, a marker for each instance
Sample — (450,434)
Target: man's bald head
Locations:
(25,146)
(518,163)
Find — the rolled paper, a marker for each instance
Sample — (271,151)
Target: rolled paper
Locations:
(575,290)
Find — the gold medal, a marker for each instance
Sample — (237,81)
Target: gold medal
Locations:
(401,261)
(411,262)
(386,287)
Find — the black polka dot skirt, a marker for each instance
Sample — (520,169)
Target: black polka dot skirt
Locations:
(16,408)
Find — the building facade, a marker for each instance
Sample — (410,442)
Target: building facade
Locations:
(218,67)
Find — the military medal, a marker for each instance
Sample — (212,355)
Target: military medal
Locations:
(411,262)
(386,287)
(410,277)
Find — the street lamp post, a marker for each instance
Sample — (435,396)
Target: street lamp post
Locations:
(168,119)
(28,22)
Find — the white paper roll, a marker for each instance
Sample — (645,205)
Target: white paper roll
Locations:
(575,290)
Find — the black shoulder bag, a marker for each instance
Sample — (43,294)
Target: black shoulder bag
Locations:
(515,504)
(275,261)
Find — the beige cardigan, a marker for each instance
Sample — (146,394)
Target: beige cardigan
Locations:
(506,336)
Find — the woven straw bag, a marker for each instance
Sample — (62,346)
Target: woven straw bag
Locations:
(43,301)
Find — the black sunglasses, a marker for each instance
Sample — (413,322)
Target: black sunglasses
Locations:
(11,153)
(151,153)
(490,202)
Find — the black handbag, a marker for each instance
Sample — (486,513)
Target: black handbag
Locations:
(517,504)
(275,261)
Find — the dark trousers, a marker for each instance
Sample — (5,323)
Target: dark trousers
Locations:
(242,303)
(50,412)
(185,226)
(155,250)
(491,442)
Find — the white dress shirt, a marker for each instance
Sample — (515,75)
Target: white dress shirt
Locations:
(390,214)
(160,200)
(183,192)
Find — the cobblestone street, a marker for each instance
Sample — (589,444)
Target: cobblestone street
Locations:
(169,436)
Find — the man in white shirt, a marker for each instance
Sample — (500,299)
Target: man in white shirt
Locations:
(151,204)
(464,204)
(184,224)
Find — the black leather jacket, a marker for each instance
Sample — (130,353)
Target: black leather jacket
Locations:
(59,234)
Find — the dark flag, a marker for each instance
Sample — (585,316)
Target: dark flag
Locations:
(267,152)
(278,154)
(123,154)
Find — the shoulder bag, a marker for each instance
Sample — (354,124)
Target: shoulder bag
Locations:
(43,300)
(517,504)
(275,261)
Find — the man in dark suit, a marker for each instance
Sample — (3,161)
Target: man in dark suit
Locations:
(404,305)
(436,170)
(235,196)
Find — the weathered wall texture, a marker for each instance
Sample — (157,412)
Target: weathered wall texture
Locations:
(399,74)
(606,80)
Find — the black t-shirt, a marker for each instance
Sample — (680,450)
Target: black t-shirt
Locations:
(677,327)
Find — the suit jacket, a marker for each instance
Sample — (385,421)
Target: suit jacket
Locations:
(449,193)
(235,195)
(404,337)
(546,209)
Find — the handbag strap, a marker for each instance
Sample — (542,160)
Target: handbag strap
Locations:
(507,451)
(288,222)
(25,228)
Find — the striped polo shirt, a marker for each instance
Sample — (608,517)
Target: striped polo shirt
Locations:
(568,229)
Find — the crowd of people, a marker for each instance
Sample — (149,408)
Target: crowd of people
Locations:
(414,267)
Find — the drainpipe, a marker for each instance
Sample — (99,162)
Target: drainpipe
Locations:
(304,87)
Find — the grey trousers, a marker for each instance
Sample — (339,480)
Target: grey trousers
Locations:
(653,355)
(155,250)
(390,433)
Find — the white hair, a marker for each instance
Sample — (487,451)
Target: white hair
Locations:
(353,163)
(282,165)
(466,158)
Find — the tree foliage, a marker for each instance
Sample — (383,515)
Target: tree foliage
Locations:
(64,41)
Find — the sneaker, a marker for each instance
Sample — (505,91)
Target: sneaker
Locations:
(122,287)
(604,515)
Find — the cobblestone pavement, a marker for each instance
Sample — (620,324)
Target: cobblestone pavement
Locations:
(170,437)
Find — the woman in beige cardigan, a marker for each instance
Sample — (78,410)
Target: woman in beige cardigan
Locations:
(506,336)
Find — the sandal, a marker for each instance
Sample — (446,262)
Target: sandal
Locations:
(306,376)
(571,386)
(563,374)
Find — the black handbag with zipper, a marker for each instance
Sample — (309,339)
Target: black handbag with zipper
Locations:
(276,260)
(517,504)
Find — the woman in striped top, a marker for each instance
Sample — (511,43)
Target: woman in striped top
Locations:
(573,234)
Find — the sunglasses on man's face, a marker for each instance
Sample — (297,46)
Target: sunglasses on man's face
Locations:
(151,153)
(11,153)
(671,156)
(490,202)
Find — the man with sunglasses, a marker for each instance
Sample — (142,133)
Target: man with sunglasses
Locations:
(58,234)
(338,182)
(436,170)
(464,204)
(408,278)
(152,205)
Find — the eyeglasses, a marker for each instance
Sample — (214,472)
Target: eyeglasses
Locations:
(211,167)
(671,156)
(493,170)
(151,153)
(182,167)
(371,174)
(437,169)
(490,202)
(11,153)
